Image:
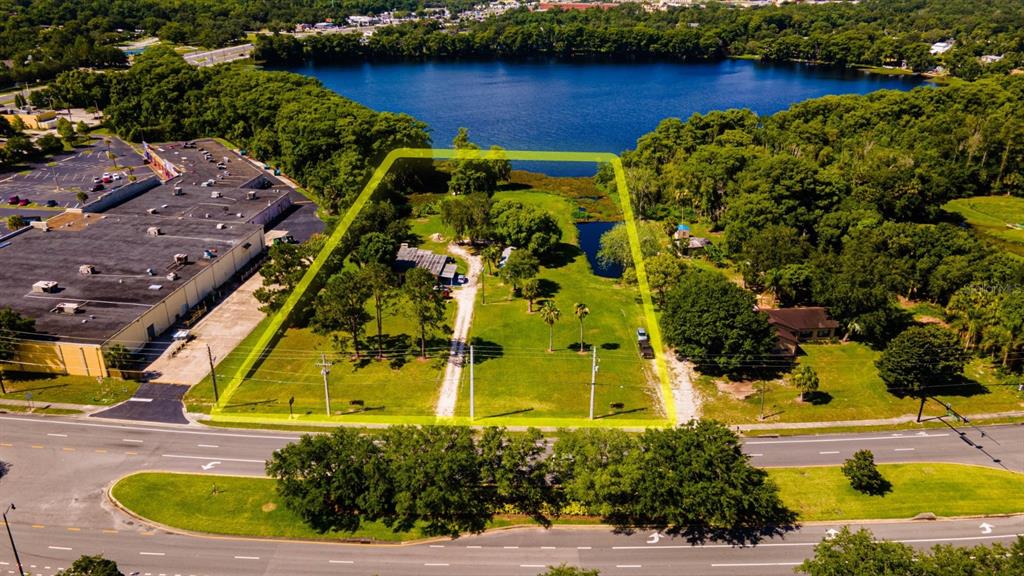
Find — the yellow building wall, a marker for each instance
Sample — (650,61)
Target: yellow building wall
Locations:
(60,358)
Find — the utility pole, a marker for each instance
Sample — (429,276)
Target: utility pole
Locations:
(593,378)
(213,375)
(10,507)
(325,369)
(472,412)
(763,385)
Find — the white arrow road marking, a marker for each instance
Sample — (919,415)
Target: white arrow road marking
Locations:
(986,528)
(654,538)
(210,465)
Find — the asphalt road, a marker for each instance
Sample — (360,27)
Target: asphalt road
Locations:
(60,469)
(219,55)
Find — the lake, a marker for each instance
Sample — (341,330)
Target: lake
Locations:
(585,106)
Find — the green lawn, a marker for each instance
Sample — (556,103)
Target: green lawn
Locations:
(990,217)
(515,375)
(943,489)
(852,390)
(226,505)
(400,385)
(66,389)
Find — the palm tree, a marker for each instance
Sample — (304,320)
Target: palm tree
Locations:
(581,312)
(550,314)
(530,290)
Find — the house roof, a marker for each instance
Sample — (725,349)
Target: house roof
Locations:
(440,265)
(800,319)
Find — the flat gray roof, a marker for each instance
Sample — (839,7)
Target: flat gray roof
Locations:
(232,183)
(121,250)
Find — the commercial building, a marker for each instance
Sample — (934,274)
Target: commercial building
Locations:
(95,280)
(135,262)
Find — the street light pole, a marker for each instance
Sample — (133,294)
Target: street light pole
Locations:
(11,536)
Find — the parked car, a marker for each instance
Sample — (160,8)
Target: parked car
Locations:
(24,202)
(95,179)
(13,200)
(641,335)
(51,203)
(97,187)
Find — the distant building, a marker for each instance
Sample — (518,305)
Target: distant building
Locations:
(941,47)
(794,326)
(689,244)
(363,20)
(441,266)
(990,59)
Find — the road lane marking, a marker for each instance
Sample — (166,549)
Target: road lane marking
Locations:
(340,562)
(38,526)
(854,439)
(756,564)
(207,445)
(830,452)
(548,548)
(58,435)
(36,446)
(434,564)
(58,548)
(583,548)
(628,566)
(140,399)
(531,566)
(757,454)
(152,554)
(100,451)
(109,531)
(207,458)
(902,449)
(6,444)
(68,449)
(510,547)
(247,557)
(131,440)
(475,547)
(131,453)
(437,545)
(74,529)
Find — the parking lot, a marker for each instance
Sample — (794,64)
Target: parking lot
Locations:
(57,182)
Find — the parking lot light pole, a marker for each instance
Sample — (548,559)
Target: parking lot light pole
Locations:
(11,536)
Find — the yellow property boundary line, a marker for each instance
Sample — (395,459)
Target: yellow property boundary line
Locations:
(278,320)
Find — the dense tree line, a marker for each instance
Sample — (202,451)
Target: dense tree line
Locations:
(44,37)
(838,201)
(859,554)
(693,480)
(872,32)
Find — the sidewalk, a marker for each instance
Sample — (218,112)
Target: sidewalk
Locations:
(86,409)
(857,423)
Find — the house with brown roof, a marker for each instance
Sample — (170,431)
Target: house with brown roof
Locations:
(794,326)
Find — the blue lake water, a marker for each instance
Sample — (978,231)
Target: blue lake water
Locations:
(585,106)
(590,242)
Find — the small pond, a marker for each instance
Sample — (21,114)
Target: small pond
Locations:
(590,241)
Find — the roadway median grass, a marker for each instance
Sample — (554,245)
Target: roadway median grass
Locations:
(46,388)
(823,493)
(249,506)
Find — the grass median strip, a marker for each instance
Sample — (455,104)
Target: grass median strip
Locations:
(245,506)
(823,493)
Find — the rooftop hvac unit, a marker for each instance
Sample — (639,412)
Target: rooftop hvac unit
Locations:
(45,286)
(177,191)
(209,254)
(153,231)
(150,272)
(150,210)
(215,194)
(69,308)
(250,195)
(86,269)
(221,226)
(181,258)
(172,276)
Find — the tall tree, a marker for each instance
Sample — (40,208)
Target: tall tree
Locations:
(550,313)
(581,311)
(424,302)
(92,566)
(531,291)
(519,267)
(923,360)
(341,306)
(381,284)
(714,323)
(13,329)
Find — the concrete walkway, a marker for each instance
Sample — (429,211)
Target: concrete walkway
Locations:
(685,397)
(857,423)
(223,328)
(84,408)
(465,299)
